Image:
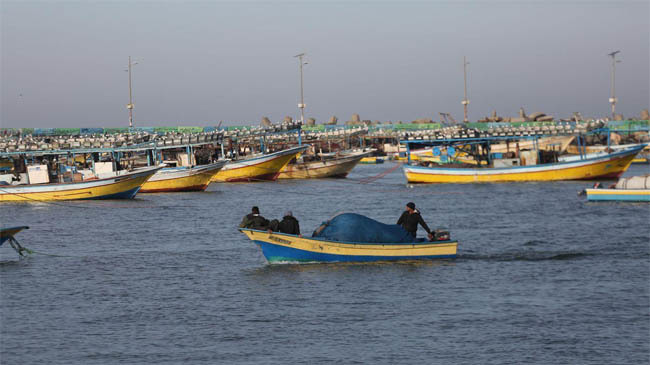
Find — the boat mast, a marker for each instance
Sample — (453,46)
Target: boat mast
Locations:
(612,99)
(465,102)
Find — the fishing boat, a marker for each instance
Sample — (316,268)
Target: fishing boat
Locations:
(337,165)
(264,167)
(122,184)
(7,234)
(633,189)
(184,178)
(281,247)
(518,166)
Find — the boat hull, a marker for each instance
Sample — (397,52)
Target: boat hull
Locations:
(608,166)
(263,168)
(632,195)
(279,247)
(339,168)
(119,187)
(183,179)
(7,233)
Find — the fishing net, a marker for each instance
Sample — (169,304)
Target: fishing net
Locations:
(351,227)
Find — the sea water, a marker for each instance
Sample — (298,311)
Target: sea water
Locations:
(542,277)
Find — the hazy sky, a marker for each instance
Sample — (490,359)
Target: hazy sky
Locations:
(63,62)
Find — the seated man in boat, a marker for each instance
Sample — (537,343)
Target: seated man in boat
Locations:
(254,220)
(410,220)
(289,224)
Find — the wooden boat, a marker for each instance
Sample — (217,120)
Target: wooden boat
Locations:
(259,168)
(609,165)
(337,166)
(280,247)
(172,179)
(635,188)
(123,185)
(7,234)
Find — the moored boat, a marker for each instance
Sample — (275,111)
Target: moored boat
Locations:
(176,179)
(635,189)
(280,247)
(266,167)
(524,167)
(334,166)
(122,185)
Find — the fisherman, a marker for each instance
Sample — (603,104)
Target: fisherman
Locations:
(410,220)
(289,224)
(254,220)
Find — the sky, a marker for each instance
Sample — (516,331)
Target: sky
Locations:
(63,63)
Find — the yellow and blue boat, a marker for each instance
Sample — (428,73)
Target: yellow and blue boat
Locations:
(258,168)
(582,167)
(124,185)
(282,248)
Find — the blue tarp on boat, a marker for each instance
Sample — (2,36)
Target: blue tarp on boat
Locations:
(351,227)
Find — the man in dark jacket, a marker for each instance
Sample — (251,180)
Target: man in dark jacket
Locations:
(254,220)
(410,220)
(289,224)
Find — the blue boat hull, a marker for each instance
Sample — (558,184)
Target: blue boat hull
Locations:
(278,253)
(619,197)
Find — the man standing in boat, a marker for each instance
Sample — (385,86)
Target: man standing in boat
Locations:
(410,219)
(254,220)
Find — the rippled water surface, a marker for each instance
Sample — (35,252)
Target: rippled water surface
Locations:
(542,277)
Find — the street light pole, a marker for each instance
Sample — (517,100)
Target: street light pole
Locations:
(130,105)
(613,100)
(302,100)
(465,102)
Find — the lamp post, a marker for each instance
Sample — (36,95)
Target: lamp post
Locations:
(130,105)
(613,100)
(465,101)
(301,106)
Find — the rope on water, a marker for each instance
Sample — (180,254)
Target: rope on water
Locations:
(22,249)
(380,175)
